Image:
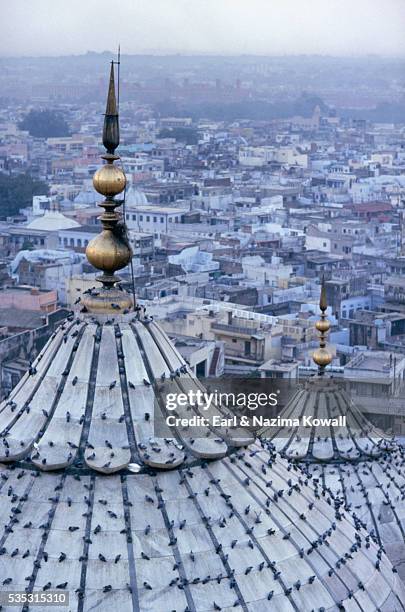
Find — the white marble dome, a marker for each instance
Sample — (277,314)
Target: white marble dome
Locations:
(52,221)
(93,503)
(135,197)
(360,466)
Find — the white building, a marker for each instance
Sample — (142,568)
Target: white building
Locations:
(273,274)
(156,220)
(262,156)
(40,203)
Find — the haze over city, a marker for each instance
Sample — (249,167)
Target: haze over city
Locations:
(334,27)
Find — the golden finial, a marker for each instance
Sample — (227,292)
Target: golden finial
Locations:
(321,356)
(110,250)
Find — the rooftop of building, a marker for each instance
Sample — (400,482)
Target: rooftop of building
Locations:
(158,210)
(374,361)
(370,317)
(27,289)
(279,365)
(398,281)
(80,229)
(24,319)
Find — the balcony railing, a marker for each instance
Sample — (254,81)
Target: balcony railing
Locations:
(249,331)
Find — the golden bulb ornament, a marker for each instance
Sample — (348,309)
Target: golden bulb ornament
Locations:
(109,180)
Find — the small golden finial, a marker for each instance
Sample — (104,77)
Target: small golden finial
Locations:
(110,250)
(321,356)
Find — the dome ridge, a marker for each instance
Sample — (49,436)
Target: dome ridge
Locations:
(89,399)
(242,531)
(323,398)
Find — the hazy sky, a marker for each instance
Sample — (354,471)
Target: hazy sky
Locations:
(341,27)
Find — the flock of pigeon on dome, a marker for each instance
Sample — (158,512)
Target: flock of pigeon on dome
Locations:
(94,504)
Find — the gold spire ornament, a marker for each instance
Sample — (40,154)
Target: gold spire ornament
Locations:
(322,356)
(110,250)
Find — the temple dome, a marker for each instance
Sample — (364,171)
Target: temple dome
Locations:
(323,398)
(87,198)
(135,197)
(52,221)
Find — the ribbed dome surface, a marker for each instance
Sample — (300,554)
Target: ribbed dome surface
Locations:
(374,492)
(183,524)
(90,395)
(359,465)
(245,531)
(322,398)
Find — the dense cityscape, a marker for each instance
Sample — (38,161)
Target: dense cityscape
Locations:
(233,221)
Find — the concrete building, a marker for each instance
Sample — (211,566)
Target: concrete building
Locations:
(47,269)
(143,247)
(28,298)
(378,374)
(280,369)
(374,329)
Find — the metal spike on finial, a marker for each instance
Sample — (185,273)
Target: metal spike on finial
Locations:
(322,300)
(322,356)
(111,129)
